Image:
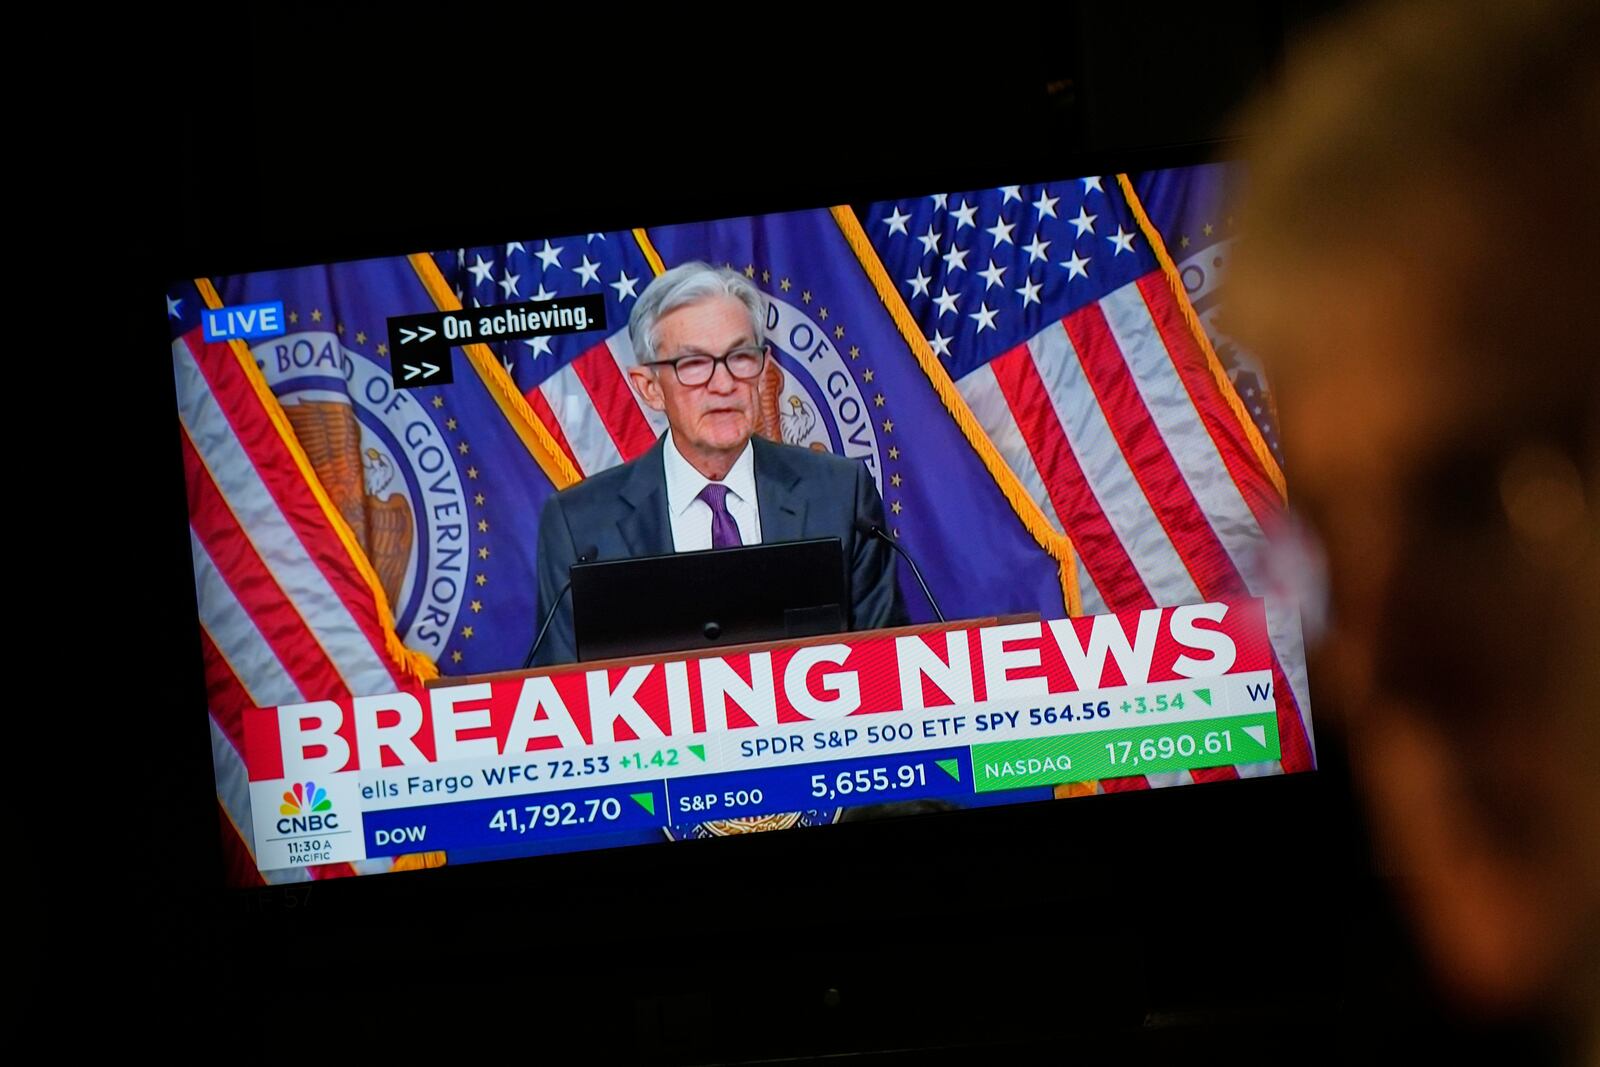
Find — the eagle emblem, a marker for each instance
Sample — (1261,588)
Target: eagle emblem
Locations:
(355,480)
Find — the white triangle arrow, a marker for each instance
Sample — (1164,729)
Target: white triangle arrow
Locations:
(411,372)
(407,336)
(426,333)
(432,370)
(1259,733)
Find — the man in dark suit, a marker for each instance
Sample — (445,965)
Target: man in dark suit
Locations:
(710,482)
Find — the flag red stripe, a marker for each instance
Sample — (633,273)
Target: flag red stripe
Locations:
(275,466)
(613,401)
(1292,740)
(546,414)
(254,587)
(225,696)
(1189,362)
(324,871)
(1085,523)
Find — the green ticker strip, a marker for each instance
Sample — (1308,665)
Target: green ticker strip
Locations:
(1148,749)
(952,767)
(647,801)
(698,750)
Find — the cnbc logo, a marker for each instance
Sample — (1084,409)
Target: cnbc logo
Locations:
(303,810)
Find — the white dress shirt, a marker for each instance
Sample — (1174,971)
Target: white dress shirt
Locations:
(691,516)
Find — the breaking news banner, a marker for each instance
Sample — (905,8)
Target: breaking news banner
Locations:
(559,760)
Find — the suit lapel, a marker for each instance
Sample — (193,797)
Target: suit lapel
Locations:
(644,526)
(783,509)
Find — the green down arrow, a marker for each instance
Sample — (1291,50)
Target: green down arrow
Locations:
(647,801)
(951,767)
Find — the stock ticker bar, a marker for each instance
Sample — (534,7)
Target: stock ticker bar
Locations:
(503,766)
(950,774)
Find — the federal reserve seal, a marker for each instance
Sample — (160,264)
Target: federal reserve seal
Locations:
(388,471)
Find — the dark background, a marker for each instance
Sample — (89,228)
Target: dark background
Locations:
(1244,921)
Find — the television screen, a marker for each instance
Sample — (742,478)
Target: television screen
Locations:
(1051,475)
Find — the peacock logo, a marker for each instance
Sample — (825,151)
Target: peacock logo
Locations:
(304,798)
(306,809)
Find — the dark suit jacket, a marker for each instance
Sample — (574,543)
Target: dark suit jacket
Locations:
(622,512)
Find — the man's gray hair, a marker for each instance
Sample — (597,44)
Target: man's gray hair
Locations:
(689,283)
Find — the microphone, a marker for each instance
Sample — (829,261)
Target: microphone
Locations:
(587,555)
(872,529)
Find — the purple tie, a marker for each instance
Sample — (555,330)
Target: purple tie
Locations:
(724,531)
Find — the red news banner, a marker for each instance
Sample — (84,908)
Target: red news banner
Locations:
(1016,699)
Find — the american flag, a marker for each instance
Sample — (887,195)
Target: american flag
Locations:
(1065,325)
(289,611)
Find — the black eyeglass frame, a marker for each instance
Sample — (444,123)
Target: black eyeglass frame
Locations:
(723,359)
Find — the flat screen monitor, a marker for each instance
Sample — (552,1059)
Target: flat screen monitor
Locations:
(1023,386)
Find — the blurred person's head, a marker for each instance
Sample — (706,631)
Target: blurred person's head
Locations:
(1417,274)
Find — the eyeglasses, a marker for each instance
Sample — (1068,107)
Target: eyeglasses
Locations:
(743,363)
